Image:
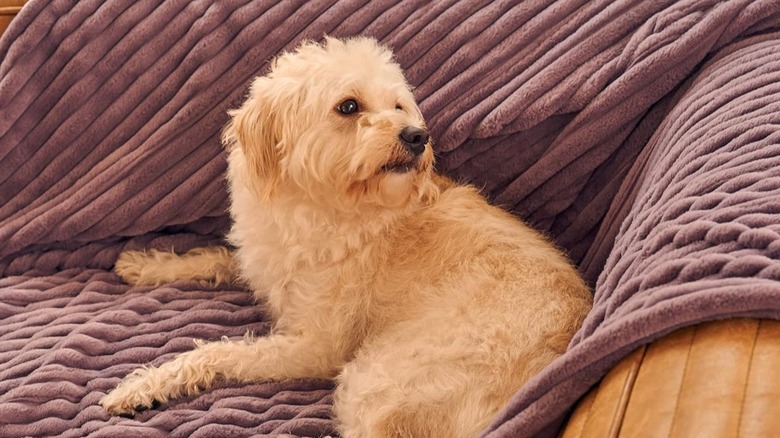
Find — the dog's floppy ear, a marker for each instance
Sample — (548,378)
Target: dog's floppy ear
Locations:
(254,128)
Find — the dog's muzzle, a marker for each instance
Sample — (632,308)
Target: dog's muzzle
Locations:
(413,140)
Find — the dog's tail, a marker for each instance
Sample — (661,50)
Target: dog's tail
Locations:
(209,266)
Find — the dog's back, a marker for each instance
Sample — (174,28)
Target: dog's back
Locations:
(469,304)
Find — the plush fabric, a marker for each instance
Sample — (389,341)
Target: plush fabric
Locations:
(701,235)
(646,124)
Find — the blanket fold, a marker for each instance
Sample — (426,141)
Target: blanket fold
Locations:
(700,239)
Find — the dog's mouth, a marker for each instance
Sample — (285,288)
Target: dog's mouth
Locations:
(400,166)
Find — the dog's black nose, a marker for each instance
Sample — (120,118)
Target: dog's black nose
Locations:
(414,139)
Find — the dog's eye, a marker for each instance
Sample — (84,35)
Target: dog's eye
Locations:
(399,108)
(349,106)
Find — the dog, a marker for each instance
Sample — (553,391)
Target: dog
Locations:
(427,305)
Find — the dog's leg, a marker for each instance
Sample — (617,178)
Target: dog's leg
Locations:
(274,357)
(211,265)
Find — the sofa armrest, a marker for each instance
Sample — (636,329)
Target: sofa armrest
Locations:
(715,379)
(8,10)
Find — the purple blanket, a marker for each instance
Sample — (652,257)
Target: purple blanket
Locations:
(642,135)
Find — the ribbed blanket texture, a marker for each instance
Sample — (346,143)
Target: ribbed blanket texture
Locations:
(643,136)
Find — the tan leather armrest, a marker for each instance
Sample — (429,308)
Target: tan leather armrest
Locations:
(8,10)
(718,379)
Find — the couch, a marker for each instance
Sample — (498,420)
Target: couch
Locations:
(642,136)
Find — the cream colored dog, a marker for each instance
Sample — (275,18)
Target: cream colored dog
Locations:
(427,305)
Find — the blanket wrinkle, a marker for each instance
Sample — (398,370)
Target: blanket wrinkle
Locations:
(641,136)
(49,259)
(434,49)
(561,156)
(698,241)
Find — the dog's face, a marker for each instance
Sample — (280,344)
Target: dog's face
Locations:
(335,122)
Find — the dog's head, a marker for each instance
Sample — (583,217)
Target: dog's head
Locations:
(337,123)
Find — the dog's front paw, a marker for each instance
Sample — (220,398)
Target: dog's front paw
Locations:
(134,394)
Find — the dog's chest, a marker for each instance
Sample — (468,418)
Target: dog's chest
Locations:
(276,255)
(307,285)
